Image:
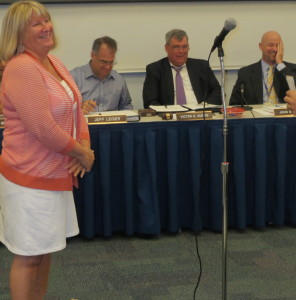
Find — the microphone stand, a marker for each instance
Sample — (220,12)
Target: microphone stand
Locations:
(224,169)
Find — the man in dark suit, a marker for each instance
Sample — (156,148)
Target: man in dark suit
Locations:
(252,85)
(199,81)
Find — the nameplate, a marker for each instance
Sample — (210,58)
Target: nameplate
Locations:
(201,115)
(282,112)
(1,121)
(106,119)
(148,112)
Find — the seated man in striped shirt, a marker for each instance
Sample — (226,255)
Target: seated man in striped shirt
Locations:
(101,87)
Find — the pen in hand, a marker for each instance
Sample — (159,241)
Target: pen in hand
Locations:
(88,106)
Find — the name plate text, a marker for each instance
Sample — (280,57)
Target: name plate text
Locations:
(106,119)
(282,112)
(200,115)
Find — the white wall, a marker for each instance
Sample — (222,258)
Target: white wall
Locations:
(139,29)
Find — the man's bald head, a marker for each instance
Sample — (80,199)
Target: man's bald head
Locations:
(269,45)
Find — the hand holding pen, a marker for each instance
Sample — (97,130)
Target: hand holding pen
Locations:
(88,106)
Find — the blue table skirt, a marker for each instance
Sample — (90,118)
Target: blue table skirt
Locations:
(166,176)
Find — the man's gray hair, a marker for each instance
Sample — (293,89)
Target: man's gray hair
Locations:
(111,43)
(178,34)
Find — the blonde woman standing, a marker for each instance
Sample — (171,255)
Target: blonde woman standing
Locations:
(46,146)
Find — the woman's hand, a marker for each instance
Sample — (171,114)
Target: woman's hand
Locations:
(76,168)
(291,100)
(83,158)
(87,159)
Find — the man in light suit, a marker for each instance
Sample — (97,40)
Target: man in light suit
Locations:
(251,86)
(199,81)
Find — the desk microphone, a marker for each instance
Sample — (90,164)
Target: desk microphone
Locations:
(244,103)
(242,90)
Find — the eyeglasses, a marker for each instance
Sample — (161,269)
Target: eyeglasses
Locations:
(106,63)
(178,48)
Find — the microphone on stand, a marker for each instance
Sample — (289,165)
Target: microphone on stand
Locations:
(229,24)
(244,103)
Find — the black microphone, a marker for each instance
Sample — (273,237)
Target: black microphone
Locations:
(229,25)
(244,103)
(242,91)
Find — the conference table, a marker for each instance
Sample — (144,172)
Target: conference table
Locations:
(156,176)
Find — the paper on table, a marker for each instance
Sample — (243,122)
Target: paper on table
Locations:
(291,82)
(200,106)
(268,110)
(168,108)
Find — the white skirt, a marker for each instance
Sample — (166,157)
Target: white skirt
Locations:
(34,222)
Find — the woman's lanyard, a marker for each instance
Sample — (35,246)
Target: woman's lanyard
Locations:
(268,91)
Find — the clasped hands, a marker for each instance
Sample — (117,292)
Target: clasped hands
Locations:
(82,165)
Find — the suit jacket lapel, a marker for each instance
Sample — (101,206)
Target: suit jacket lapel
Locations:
(257,81)
(195,82)
(169,81)
(276,82)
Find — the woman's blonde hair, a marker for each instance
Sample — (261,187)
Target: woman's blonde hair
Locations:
(14,24)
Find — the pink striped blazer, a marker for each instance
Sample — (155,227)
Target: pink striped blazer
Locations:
(38,124)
